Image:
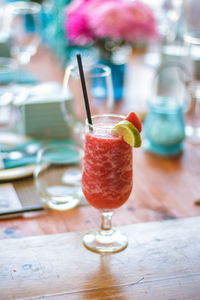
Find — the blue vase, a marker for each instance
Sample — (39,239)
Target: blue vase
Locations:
(118,71)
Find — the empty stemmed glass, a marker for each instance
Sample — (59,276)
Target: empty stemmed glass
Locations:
(100,93)
(24,22)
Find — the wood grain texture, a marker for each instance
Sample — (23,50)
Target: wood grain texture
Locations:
(161,262)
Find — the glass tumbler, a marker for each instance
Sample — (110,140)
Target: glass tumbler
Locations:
(58,176)
(164,126)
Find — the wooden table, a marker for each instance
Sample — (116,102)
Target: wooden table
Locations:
(161,262)
(164,188)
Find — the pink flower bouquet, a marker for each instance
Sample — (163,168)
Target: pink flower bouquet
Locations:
(109,23)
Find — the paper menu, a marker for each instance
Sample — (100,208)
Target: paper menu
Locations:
(8,198)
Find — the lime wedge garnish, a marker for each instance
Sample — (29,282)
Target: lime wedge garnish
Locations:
(129,133)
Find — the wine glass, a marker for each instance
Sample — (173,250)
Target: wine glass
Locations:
(24,25)
(100,94)
(106,180)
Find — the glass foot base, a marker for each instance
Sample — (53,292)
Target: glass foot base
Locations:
(70,203)
(105,241)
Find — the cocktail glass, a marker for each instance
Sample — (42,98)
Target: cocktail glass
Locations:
(106,180)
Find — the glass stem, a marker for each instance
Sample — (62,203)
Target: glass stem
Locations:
(106,221)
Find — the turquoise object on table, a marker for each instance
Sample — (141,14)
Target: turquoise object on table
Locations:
(17,76)
(14,163)
(118,73)
(164,127)
(26,158)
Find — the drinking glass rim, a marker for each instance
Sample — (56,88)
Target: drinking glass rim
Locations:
(92,126)
(106,70)
(77,149)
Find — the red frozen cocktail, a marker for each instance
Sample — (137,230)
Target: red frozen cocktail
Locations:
(107,168)
(108,174)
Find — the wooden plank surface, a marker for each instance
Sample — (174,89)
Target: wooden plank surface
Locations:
(161,262)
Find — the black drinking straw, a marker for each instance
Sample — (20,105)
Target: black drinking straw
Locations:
(85,96)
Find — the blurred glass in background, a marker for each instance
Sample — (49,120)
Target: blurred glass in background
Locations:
(164,128)
(7,67)
(100,94)
(58,176)
(179,43)
(23,22)
(20,30)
